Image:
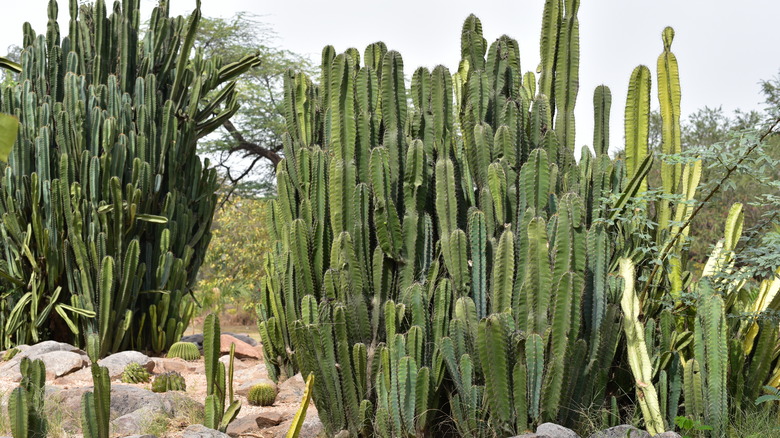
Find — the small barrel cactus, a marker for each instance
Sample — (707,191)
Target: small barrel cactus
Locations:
(262,394)
(184,350)
(135,373)
(170,381)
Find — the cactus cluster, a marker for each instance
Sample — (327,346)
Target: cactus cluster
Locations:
(26,402)
(169,381)
(135,373)
(441,259)
(103,191)
(184,350)
(262,394)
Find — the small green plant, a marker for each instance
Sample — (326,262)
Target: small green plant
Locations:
(690,427)
(9,354)
(773,394)
(184,350)
(170,381)
(135,373)
(262,394)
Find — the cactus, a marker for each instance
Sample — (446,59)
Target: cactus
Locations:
(96,404)
(10,353)
(112,205)
(135,373)
(184,350)
(169,381)
(262,394)
(217,417)
(26,402)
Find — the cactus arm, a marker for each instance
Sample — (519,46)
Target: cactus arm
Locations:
(669,99)
(637,122)
(638,358)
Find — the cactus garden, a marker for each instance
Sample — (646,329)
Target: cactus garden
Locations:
(438,253)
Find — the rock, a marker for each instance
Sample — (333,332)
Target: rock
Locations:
(240,426)
(10,370)
(135,422)
(622,431)
(311,427)
(126,399)
(117,362)
(553,430)
(269,419)
(246,338)
(291,390)
(238,364)
(60,363)
(668,435)
(141,436)
(529,435)
(243,350)
(201,431)
(195,339)
(243,389)
(46,347)
(165,364)
(251,373)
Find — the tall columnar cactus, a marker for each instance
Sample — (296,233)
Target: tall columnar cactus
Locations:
(106,207)
(443,265)
(26,402)
(96,404)
(217,417)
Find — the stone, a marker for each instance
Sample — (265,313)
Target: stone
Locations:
(135,422)
(240,426)
(165,364)
(668,435)
(311,427)
(243,389)
(622,431)
(60,363)
(291,390)
(195,339)
(246,338)
(269,419)
(553,430)
(243,350)
(10,370)
(201,431)
(126,399)
(141,436)
(117,362)
(238,364)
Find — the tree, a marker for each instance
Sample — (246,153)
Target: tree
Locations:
(248,147)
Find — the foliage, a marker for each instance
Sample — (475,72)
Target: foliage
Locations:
(230,276)
(262,394)
(169,381)
(135,373)
(10,353)
(688,425)
(249,145)
(106,206)
(184,350)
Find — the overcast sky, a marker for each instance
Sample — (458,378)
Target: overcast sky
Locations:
(724,47)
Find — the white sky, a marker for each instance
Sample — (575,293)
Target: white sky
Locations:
(724,47)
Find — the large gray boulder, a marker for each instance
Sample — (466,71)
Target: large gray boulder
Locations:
(59,358)
(622,431)
(553,430)
(117,362)
(201,431)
